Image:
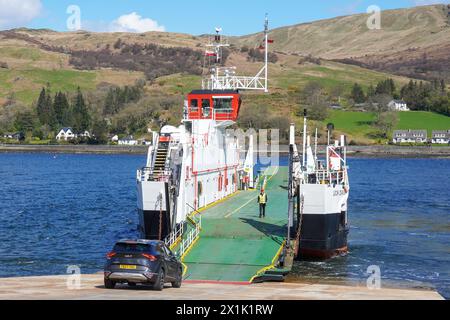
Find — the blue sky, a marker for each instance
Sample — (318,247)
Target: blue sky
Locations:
(194,17)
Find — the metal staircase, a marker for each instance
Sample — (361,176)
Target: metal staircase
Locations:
(161,158)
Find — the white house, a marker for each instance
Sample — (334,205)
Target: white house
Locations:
(66,134)
(128,141)
(440,137)
(410,136)
(398,105)
(114,138)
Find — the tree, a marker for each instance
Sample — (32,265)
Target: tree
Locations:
(80,114)
(100,131)
(44,107)
(116,98)
(427,96)
(61,111)
(370,92)
(386,87)
(443,86)
(24,121)
(380,103)
(357,94)
(386,122)
(314,97)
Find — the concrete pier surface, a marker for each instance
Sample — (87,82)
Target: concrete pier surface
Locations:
(91,288)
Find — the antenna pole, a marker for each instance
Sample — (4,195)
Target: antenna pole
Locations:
(304,139)
(266,45)
(315,148)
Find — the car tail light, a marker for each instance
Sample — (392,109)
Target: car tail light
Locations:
(149,257)
(110,255)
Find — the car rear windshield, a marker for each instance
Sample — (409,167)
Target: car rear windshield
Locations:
(134,248)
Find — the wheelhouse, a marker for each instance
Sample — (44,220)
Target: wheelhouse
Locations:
(219,105)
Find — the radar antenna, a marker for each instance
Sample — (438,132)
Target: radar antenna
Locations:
(219,77)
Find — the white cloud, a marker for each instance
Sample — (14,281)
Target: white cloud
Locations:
(17,13)
(133,22)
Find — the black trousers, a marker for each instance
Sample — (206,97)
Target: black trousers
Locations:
(262,210)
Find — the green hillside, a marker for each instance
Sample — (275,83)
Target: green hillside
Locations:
(423,120)
(96,62)
(348,36)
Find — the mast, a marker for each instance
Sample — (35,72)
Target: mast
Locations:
(315,147)
(304,139)
(266,47)
(225,78)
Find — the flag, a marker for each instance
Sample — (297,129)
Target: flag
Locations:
(210,54)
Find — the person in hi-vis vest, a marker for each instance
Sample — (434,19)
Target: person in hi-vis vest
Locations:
(262,200)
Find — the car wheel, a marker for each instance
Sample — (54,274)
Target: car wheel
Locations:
(132,284)
(177,283)
(109,284)
(160,280)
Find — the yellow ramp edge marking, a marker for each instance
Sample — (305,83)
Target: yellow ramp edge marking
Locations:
(271,266)
(185,254)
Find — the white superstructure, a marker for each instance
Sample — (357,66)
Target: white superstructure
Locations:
(193,165)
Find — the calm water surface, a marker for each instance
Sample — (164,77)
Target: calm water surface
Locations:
(65,210)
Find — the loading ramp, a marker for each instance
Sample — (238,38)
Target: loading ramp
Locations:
(235,245)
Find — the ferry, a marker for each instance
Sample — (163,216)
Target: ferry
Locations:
(201,162)
(322,188)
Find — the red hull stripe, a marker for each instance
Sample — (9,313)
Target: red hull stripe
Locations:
(239,283)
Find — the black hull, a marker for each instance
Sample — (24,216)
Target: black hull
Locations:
(323,236)
(149,225)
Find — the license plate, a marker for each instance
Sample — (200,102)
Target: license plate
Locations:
(127,267)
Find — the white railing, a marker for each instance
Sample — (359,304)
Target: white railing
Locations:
(190,239)
(235,82)
(331,177)
(174,236)
(148,174)
(224,114)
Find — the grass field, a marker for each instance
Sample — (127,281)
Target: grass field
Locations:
(423,120)
(25,85)
(330,75)
(358,125)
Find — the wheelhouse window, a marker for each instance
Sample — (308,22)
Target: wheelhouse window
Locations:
(206,107)
(194,105)
(223,104)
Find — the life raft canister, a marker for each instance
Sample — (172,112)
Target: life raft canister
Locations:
(335,161)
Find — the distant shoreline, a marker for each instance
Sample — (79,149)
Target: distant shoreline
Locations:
(73,149)
(353,151)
